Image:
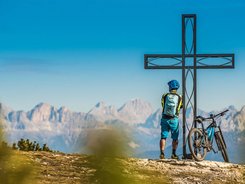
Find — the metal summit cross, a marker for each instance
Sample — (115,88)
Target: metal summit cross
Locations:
(189,61)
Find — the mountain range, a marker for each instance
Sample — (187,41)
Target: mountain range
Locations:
(65,130)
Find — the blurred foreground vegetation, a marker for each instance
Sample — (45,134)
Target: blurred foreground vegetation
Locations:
(14,168)
(25,162)
(109,150)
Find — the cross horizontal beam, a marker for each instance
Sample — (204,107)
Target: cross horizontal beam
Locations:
(150,58)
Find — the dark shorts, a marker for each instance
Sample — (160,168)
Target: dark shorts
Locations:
(170,125)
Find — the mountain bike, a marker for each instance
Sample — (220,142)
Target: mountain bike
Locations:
(200,140)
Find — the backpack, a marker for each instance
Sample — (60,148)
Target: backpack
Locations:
(171,103)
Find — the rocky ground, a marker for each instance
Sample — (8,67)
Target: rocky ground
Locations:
(73,168)
(189,171)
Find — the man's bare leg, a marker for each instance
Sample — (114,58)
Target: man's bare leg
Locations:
(162,147)
(175,144)
(174,147)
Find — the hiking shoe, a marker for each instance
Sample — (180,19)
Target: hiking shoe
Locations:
(162,156)
(175,157)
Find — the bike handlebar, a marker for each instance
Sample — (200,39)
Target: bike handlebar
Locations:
(212,116)
(220,114)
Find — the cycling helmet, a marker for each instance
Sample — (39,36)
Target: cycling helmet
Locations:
(173,84)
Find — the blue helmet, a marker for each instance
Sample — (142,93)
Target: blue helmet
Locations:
(173,84)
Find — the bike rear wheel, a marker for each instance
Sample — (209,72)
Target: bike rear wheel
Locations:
(197,142)
(221,146)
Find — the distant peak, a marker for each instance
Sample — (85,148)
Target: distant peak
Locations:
(243,109)
(64,109)
(5,109)
(43,107)
(232,107)
(100,104)
(137,102)
(43,104)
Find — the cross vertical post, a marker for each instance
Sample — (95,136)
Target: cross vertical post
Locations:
(190,18)
(189,61)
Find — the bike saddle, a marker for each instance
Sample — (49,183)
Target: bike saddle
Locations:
(199,119)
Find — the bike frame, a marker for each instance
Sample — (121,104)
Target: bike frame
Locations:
(209,131)
(212,128)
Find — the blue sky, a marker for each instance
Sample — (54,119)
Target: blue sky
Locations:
(78,52)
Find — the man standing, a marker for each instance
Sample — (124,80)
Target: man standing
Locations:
(171,104)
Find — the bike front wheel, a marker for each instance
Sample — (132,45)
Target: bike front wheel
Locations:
(197,144)
(221,146)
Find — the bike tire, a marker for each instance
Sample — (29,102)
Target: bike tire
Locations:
(221,145)
(192,140)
